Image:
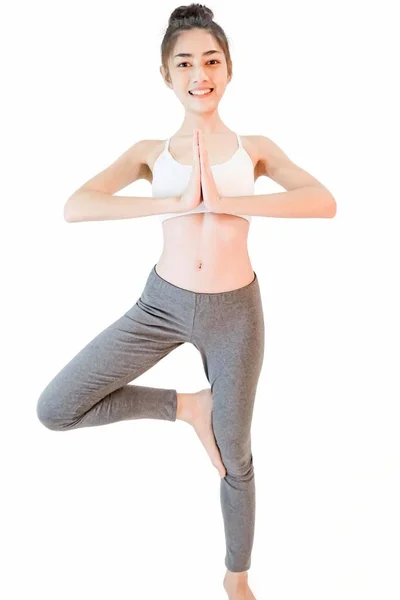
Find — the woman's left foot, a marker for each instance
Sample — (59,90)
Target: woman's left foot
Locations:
(237,590)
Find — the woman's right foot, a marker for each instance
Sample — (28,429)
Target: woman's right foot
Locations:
(196,409)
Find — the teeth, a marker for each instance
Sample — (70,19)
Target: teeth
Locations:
(200,92)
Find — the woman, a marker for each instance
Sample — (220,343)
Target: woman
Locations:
(202,290)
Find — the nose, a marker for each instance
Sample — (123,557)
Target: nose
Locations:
(199,75)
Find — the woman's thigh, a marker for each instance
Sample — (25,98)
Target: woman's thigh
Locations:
(230,336)
(120,353)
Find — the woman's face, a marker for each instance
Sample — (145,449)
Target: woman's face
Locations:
(198,70)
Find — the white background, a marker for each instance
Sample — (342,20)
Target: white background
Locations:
(132,510)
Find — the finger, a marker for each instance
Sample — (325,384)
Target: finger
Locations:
(200,146)
(203,152)
(196,150)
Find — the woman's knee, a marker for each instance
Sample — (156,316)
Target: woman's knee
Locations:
(237,458)
(49,410)
(45,413)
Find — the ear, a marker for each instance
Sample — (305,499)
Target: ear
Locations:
(165,77)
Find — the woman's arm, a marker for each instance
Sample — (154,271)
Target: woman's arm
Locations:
(91,205)
(95,200)
(305,195)
(308,201)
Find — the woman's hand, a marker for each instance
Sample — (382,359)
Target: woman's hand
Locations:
(210,194)
(191,197)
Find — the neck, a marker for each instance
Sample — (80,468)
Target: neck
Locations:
(209,123)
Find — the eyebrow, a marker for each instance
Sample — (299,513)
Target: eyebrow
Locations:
(207,53)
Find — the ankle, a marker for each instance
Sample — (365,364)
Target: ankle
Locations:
(236,576)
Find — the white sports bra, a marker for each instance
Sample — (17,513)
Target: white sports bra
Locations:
(234,177)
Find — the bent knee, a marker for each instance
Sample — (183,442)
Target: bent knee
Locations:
(49,413)
(46,416)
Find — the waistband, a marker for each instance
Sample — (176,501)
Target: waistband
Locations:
(155,280)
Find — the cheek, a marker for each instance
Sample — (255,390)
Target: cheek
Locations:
(221,81)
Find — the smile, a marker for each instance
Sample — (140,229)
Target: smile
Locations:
(201,93)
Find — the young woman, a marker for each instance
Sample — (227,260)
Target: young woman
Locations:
(203,289)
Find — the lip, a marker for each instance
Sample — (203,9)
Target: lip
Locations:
(208,87)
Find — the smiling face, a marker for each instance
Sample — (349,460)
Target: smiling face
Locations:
(197,61)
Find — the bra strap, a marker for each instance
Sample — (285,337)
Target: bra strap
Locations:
(239,140)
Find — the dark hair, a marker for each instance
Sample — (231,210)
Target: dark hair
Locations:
(192,16)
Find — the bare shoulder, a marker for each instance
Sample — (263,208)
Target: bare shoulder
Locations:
(269,155)
(126,168)
(148,150)
(143,155)
(274,163)
(251,143)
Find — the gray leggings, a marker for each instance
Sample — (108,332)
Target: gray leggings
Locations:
(227,328)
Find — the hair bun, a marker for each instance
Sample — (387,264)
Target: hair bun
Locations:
(191,11)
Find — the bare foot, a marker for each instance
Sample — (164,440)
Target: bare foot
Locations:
(196,410)
(237,588)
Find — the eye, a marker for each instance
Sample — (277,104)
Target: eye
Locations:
(212,60)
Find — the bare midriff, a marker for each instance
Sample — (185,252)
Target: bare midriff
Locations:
(206,252)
